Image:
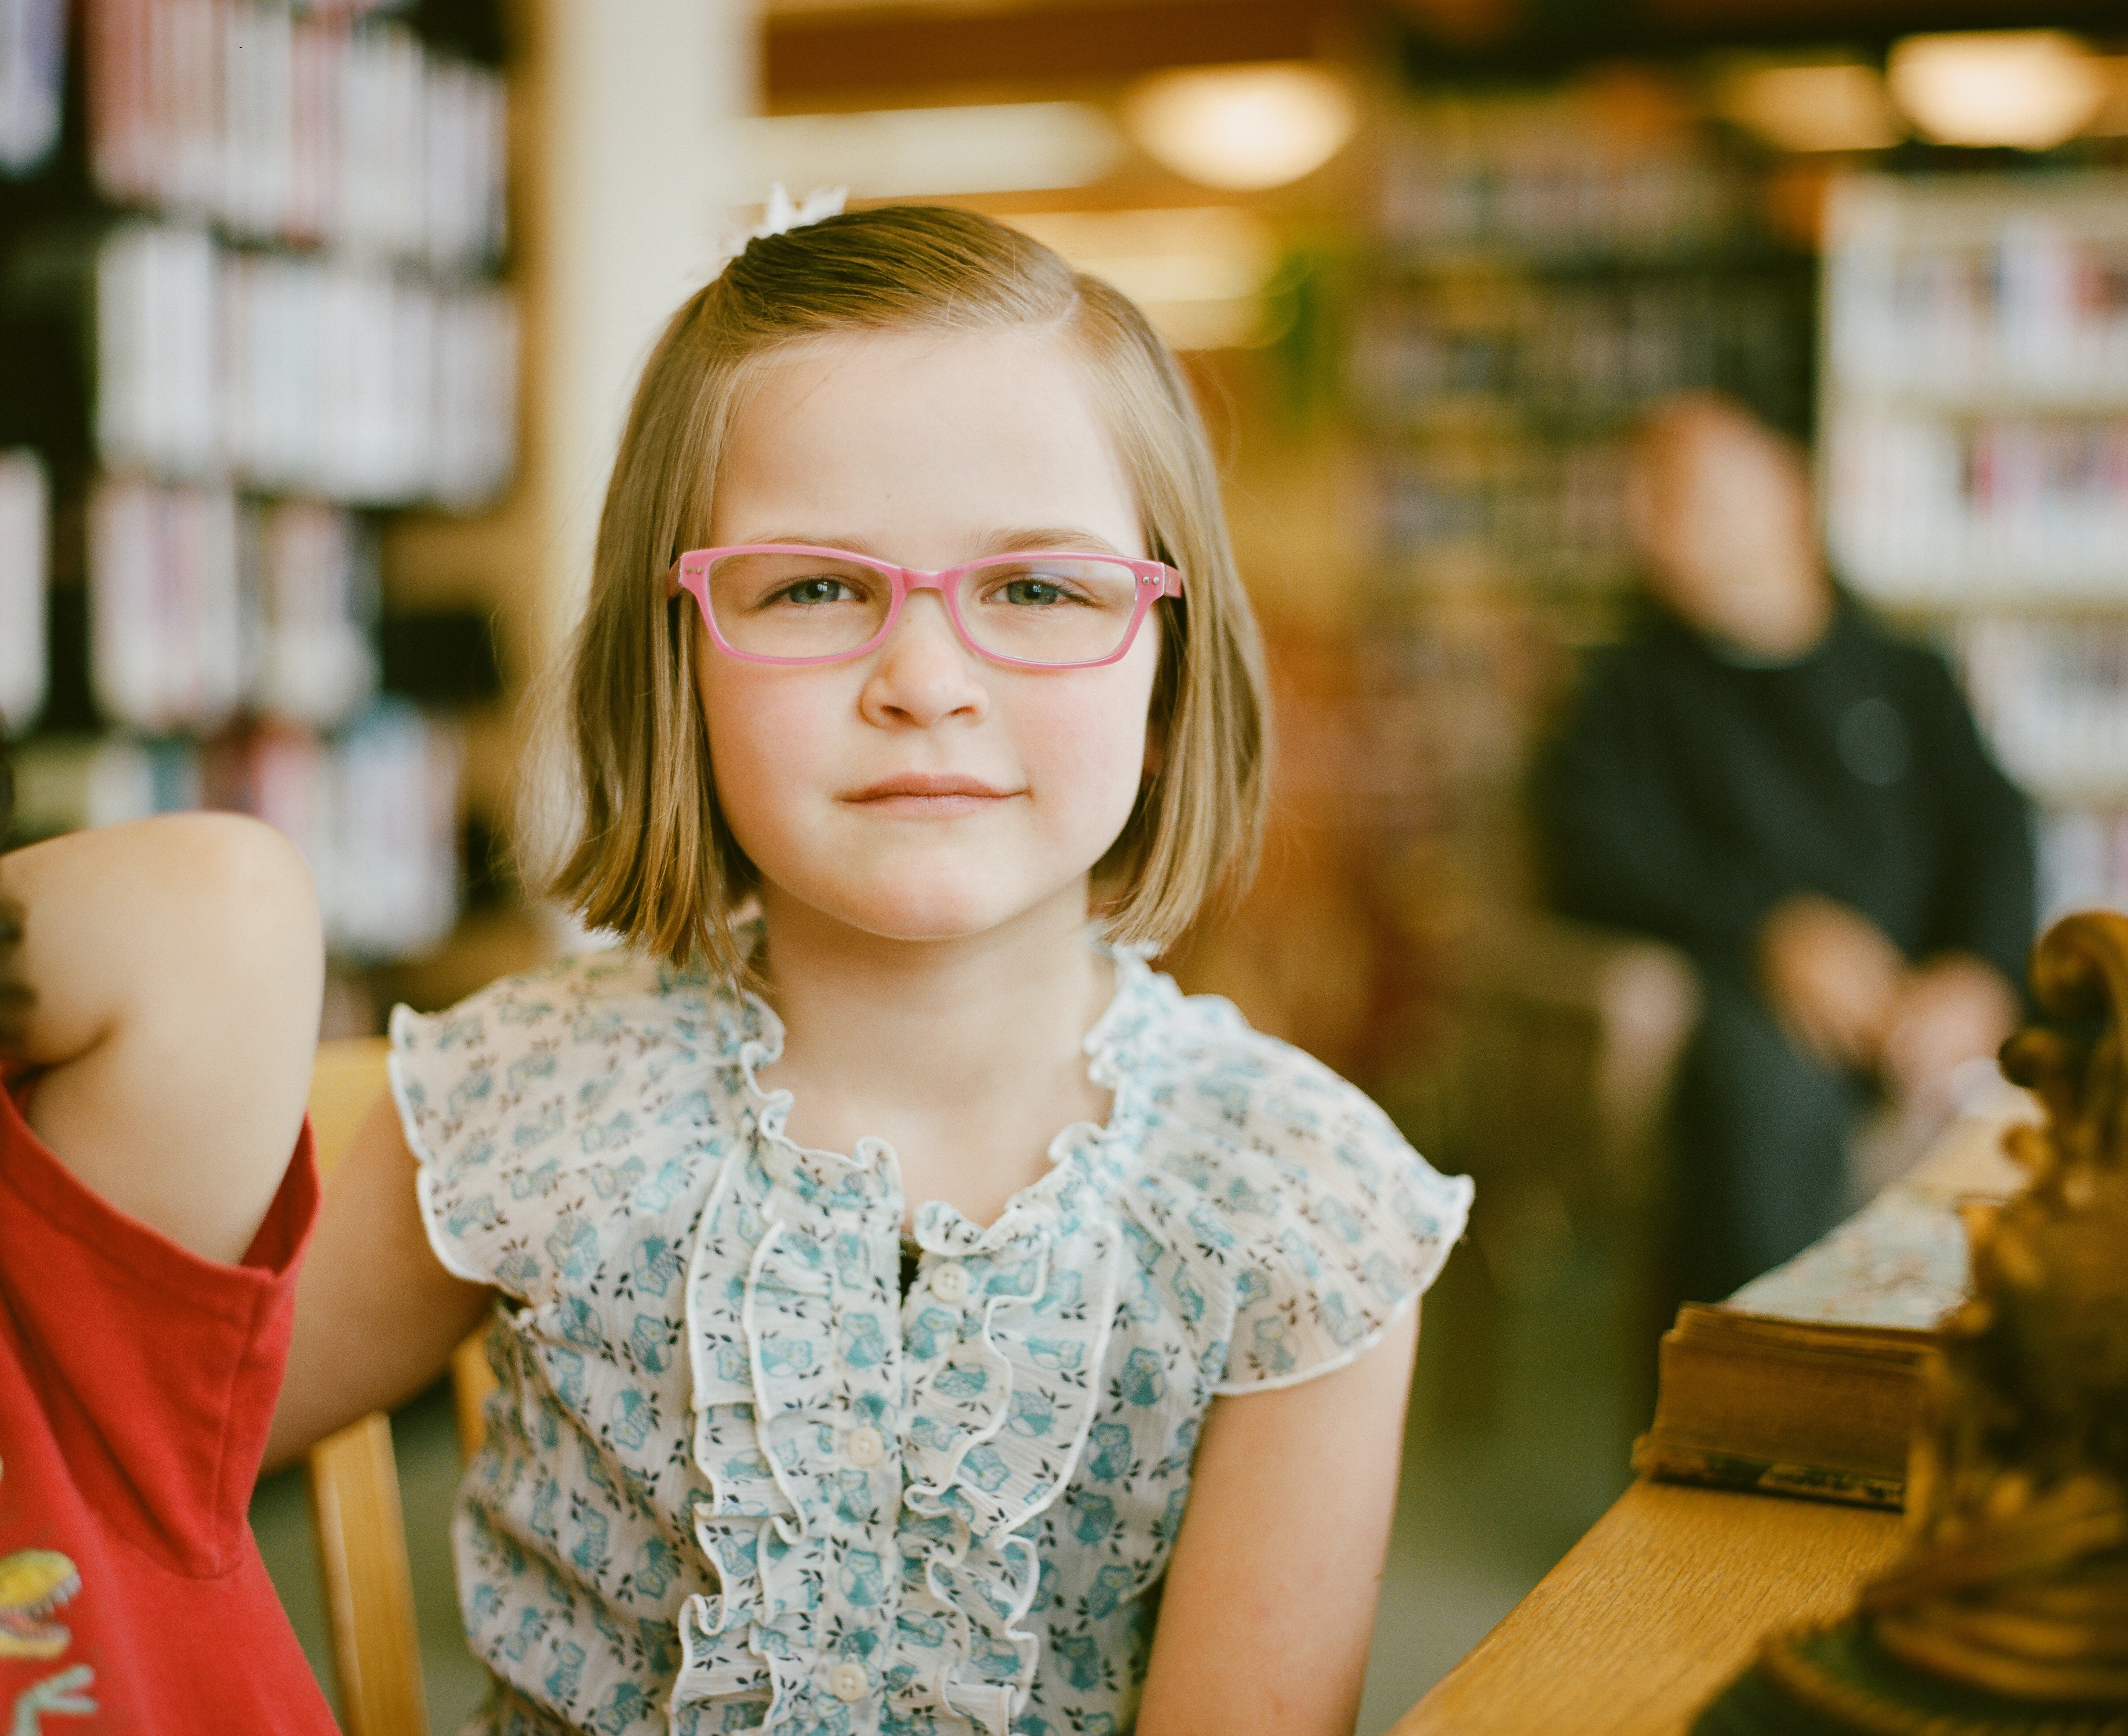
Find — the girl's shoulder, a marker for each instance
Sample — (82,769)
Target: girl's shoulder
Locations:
(587,1070)
(584,1000)
(592,1015)
(1218,1085)
(1257,1161)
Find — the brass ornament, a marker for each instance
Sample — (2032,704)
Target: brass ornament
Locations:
(2008,1609)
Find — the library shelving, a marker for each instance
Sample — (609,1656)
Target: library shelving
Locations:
(251,286)
(1975,390)
(1545,263)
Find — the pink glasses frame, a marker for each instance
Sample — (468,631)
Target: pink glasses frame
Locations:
(691,573)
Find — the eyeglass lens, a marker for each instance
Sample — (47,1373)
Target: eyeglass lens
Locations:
(1040,609)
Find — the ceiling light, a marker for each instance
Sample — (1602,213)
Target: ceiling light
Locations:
(2029,88)
(1198,274)
(1811,108)
(900,153)
(1243,127)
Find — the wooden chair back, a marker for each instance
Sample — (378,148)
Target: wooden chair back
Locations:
(354,1478)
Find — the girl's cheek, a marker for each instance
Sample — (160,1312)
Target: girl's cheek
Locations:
(1099,745)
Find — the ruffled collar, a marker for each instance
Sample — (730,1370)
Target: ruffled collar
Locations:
(869,1174)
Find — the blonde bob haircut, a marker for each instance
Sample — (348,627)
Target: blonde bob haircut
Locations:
(648,854)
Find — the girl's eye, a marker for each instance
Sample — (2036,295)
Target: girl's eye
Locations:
(1033,591)
(821,590)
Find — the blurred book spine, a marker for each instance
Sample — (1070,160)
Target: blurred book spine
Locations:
(31,35)
(25,561)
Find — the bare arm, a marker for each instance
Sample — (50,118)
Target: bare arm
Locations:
(1271,1595)
(376,1315)
(176,967)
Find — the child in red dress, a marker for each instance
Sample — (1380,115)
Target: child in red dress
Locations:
(159,988)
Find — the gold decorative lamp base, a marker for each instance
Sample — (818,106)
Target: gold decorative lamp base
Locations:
(2008,1612)
(1841,1682)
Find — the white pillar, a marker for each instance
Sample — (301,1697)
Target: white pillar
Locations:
(622,116)
(634,102)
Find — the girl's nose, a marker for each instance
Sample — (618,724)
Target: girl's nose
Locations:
(924,674)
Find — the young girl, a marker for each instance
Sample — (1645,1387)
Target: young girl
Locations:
(956,1329)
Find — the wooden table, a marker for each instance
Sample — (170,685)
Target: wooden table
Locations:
(1647,1617)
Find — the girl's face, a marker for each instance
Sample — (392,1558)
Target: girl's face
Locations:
(919,792)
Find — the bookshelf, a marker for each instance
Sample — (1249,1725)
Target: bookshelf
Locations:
(252,269)
(1545,262)
(1973,376)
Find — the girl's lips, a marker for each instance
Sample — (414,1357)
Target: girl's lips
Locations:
(931,795)
(929,792)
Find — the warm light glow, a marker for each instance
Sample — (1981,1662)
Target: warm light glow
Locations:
(2029,88)
(1243,127)
(904,153)
(1811,108)
(1198,274)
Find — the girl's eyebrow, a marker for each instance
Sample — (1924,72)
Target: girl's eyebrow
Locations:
(806,539)
(1001,542)
(1015,542)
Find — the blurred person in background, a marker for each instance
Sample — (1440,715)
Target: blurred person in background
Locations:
(1761,776)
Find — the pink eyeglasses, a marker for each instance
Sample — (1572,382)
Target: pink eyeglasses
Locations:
(790,603)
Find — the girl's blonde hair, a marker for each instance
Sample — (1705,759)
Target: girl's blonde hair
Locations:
(649,855)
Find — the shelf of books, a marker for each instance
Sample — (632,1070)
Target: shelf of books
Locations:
(1974,393)
(251,291)
(1546,263)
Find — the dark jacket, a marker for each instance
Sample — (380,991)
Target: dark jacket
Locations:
(1687,795)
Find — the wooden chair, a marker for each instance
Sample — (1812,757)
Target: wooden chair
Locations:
(1554,1073)
(355,1479)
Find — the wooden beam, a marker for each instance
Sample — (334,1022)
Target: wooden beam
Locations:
(809,57)
(1845,20)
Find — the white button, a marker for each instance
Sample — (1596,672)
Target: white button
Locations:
(864,1447)
(950,1284)
(847,1681)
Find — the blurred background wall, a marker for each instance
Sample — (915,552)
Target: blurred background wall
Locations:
(317,322)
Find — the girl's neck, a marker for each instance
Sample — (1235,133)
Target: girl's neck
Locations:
(944,1048)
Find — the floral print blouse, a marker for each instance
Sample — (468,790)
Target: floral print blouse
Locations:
(736,1478)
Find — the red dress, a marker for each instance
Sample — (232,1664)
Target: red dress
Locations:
(136,1383)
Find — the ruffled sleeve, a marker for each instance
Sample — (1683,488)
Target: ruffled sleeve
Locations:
(536,1104)
(1360,1227)
(1318,1220)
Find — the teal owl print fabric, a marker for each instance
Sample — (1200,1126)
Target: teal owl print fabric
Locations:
(735,1479)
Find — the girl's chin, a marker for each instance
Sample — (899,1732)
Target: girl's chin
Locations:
(935,913)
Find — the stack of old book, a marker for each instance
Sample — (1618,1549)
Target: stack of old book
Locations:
(1809,1381)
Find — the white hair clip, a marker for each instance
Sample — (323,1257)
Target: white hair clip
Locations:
(779,216)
